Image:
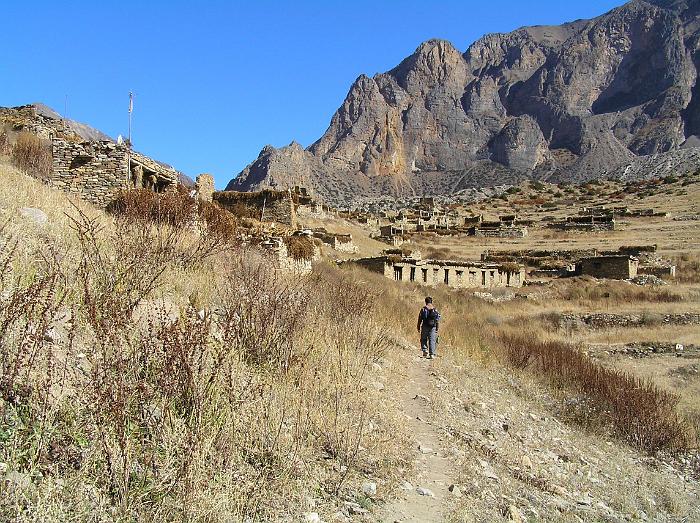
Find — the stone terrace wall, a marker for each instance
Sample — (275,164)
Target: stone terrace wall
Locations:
(94,171)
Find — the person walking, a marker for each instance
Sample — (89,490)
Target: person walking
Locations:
(428,325)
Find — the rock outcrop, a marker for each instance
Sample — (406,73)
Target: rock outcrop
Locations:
(570,102)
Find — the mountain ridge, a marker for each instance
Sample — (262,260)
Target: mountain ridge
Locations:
(567,102)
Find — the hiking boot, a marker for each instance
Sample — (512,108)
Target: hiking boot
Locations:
(425,354)
(431,356)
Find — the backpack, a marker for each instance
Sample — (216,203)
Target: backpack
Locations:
(432,317)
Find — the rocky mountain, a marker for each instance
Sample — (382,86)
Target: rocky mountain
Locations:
(571,102)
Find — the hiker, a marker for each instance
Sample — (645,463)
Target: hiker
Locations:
(428,324)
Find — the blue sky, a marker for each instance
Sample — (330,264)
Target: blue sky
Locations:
(216,81)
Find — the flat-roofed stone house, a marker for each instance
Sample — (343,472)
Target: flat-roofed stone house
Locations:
(456,274)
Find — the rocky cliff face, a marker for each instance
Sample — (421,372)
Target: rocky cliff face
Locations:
(568,102)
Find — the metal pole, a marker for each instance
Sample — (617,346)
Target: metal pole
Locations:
(128,150)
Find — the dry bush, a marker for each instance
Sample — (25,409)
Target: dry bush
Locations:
(688,268)
(636,409)
(171,207)
(262,311)
(299,247)
(32,155)
(166,218)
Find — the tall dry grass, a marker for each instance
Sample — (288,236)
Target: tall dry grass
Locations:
(635,409)
(116,406)
(32,155)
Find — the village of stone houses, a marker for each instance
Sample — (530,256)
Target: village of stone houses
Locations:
(170,351)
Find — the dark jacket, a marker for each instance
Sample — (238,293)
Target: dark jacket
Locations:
(423,316)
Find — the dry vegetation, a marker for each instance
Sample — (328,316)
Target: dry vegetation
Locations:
(153,369)
(122,400)
(31,154)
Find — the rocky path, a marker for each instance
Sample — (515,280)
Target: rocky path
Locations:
(425,495)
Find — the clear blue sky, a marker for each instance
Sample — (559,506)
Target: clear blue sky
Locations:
(216,81)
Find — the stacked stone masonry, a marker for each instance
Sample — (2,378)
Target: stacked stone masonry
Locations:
(94,170)
(451,273)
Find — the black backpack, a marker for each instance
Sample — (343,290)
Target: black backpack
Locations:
(432,316)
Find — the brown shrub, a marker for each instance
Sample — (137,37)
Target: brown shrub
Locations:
(32,155)
(299,247)
(636,409)
(171,207)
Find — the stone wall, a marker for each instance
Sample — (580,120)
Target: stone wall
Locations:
(668,271)
(96,171)
(205,187)
(93,171)
(614,267)
(284,262)
(339,242)
(499,232)
(267,206)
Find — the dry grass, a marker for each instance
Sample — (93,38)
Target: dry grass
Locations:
(32,155)
(300,247)
(636,409)
(139,406)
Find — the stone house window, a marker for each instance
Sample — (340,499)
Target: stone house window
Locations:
(413,274)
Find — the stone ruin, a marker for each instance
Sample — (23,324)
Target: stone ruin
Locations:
(94,170)
(283,261)
(624,263)
(456,274)
(589,223)
(204,188)
(266,205)
(617,267)
(339,242)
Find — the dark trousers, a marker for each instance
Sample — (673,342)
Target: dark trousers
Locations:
(428,339)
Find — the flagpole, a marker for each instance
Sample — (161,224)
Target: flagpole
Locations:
(128,154)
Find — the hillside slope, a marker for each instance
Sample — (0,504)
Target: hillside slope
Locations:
(572,102)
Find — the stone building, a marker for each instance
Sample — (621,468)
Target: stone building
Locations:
(618,267)
(84,161)
(97,171)
(455,274)
(339,242)
(266,206)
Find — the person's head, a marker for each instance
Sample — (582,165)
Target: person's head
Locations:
(428,300)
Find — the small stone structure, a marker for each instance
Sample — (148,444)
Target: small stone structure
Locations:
(455,274)
(660,271)
(284,262)
(339,242)
(499,229)
(618,267)
(97,171)
(266,206)
(204,187)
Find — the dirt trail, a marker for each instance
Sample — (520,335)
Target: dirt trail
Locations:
(433,470)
